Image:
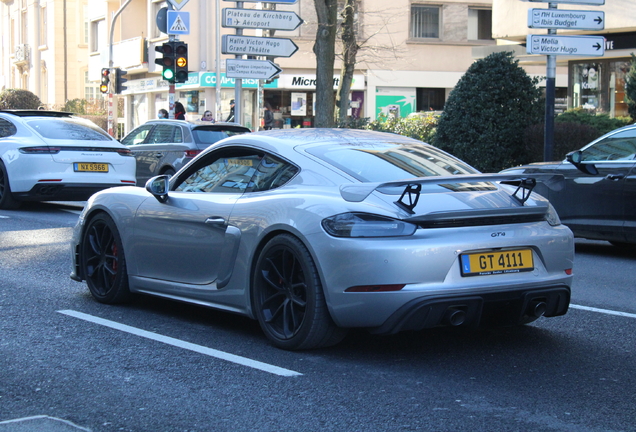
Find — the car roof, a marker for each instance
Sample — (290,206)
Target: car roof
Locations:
(37,113)
(317,136)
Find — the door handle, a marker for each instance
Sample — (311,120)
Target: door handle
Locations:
(216,221)
(615,177)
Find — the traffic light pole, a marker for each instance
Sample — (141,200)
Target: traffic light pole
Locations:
(111,98)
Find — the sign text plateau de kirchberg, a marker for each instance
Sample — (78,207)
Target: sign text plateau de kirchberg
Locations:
(260,19)
(259,46)
(565,19)
(565,45)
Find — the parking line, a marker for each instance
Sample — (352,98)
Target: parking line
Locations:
(182,344)
(605,311)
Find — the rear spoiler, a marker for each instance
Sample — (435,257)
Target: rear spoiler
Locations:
(412,187)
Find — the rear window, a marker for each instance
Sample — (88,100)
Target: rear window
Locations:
(68,129)
(210,136)
(382,162)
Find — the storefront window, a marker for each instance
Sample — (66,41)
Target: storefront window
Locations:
(599,87)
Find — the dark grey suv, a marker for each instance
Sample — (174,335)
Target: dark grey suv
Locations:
(596,201)
(164,146)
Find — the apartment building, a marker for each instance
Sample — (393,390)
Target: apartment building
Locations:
(44,48)
(412,54)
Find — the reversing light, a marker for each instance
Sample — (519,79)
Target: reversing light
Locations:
(366,225)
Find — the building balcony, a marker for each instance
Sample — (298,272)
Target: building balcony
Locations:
(21,54)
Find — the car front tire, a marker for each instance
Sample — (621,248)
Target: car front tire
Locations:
(103,261)
(288,299)
(7,202)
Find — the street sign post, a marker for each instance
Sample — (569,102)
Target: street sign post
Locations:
(565,45)
(260,19)
(565,19)
(254,69)
(259,46)
(575,2)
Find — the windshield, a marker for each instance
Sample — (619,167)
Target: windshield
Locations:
(382,162)
(68,129)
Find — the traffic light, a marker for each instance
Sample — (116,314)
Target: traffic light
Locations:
(181,61)
(120,80)
(105,84)
(167,62)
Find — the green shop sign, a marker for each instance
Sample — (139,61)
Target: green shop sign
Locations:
(208,79)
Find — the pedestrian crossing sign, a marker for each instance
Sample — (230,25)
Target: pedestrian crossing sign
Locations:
(178,23)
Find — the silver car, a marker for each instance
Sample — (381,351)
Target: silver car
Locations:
(314,231)
(164,146)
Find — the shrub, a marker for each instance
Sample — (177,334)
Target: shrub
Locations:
(420,127)
(19,99)
(488,111)
(567,137)
(601,122)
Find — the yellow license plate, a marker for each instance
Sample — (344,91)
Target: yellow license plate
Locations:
(499,262)
(90,167)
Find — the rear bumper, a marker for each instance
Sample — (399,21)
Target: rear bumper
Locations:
(500,308)
(62,192)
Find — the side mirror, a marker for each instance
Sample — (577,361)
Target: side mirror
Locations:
(158,187)
(575,158)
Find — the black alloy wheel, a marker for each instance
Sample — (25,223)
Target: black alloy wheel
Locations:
(7,202)
(103,262)
(288,299)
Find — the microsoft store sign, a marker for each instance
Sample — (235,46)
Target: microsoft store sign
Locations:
(308,81)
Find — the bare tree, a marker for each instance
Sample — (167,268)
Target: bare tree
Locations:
(371,50)
(349,52)
(325,51)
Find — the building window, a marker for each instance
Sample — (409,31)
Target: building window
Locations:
(87,24)
(98,35)
(479,24)
(43,27)
(425,21)
(90,88)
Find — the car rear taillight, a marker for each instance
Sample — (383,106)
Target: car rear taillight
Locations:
(40,150)
(124,152)
(191,153)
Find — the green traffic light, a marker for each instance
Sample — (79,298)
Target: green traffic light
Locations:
(168,74)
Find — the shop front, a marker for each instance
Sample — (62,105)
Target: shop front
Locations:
(293,99)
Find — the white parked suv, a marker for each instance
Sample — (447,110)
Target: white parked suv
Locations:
(57,156)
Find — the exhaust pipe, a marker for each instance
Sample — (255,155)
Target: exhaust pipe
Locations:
(454,317)
(537,308)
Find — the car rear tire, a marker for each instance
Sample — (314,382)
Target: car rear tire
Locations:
(288,299)
(103,261)
(7,202)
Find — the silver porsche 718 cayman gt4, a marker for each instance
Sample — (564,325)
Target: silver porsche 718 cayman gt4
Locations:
(313,231)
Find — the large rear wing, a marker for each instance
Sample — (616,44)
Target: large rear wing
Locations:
(411,188)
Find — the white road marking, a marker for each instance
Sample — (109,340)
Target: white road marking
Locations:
(605,311)
(182,344)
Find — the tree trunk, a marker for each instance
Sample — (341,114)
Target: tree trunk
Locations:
(350,50)
(325,50)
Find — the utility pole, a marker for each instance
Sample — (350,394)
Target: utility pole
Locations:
(111,98)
